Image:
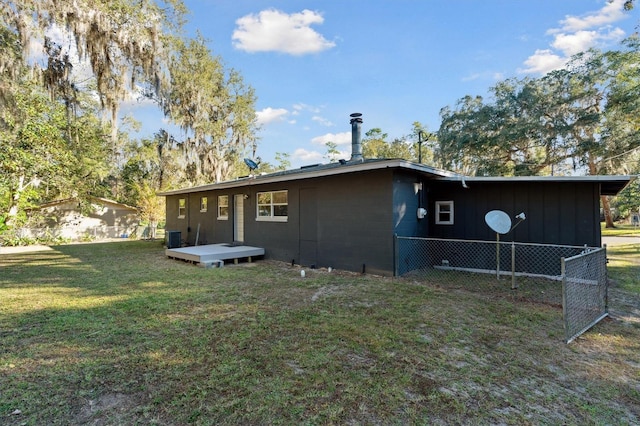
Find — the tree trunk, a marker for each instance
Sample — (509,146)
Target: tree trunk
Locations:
(606,208)
(14,200)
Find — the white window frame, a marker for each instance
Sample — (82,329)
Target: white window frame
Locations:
(272,207)
(204,203)
(440,210)
(182,208)
(223,215)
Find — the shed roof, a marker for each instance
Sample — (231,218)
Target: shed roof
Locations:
(609,185)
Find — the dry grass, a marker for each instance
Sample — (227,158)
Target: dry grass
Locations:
(117,334)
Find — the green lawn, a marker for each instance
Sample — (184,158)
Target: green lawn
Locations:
(115,333)
(621,230)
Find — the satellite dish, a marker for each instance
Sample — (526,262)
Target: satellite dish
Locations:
(499,221)
(251,164)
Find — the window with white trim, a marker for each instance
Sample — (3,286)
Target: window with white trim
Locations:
(182,208)
(444,212)
(203,204)
(223,207)
(273,206)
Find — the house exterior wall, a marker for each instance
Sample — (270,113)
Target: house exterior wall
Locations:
(564,213)
(350,225)
(409,194)
(348,221)
(175,222)
(355,222)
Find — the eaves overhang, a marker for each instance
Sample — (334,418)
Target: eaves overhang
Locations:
(318,171)
(609,184)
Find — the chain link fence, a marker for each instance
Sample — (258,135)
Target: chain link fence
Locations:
(584,292)
(522,271)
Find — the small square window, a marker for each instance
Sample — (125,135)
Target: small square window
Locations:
(182,208)
(223,207)
(203,204)
(444,212)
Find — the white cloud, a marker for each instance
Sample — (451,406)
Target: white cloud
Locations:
(570,44)
(275,31)
(484,75)
(577,34)
(611,12)
(306,156)
(298,108)
(269,115)
(337,138)
(321,120)
(471,77)
(542,62)
(346,154)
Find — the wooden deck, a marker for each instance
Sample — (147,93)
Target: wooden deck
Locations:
(214,254)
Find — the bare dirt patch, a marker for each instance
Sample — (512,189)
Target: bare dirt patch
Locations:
(624,306)
(110,408)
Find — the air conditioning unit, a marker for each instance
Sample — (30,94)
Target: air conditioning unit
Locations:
(173,239)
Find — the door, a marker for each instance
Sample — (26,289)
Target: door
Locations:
(238,218)
(308,227)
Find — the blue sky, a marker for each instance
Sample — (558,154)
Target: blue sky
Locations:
(312,63)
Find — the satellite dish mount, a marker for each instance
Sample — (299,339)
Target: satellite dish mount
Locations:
(251,164)
(500,222)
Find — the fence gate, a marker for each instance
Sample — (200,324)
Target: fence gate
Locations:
(572,275)
(584,291)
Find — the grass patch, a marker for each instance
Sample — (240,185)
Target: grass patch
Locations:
(624,266)
(115,333)
(621,230)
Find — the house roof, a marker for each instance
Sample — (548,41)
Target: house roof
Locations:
(609,185)
(320,170)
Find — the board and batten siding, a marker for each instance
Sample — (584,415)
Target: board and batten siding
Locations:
(557,213)
(348,222)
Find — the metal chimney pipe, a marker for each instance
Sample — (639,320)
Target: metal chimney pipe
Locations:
(356,137)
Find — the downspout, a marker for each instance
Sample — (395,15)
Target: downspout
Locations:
(188,216)
(422,212)
(464,184)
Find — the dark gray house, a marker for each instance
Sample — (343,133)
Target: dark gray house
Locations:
(345,214)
